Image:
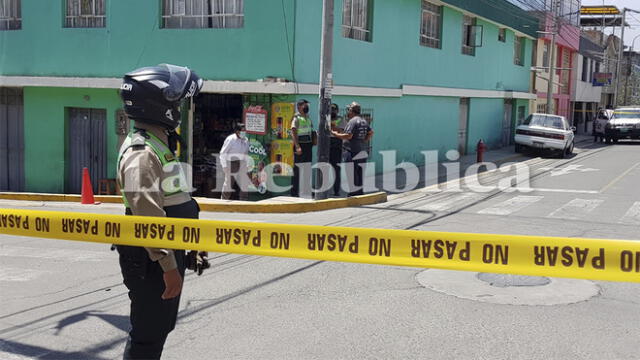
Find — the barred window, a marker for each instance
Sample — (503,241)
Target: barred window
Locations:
(202,14)
(356,19)
(518,51)
(10,15)
(468,35)
(85,14)
(565,75)
(545,57)
(431,28)
(502,35)
(585,69)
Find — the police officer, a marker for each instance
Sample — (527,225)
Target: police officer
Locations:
(303,141)
(154,185)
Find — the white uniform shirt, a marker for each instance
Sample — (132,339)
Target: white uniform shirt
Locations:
(234,148)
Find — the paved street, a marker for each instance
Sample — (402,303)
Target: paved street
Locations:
(65,300)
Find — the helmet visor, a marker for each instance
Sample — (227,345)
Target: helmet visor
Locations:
(178,79)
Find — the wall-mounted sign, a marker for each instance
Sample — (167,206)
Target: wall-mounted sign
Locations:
(281,115)
(599,10)
(255,120)
(282,157)
(602,79)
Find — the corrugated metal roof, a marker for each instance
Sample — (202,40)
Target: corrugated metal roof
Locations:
(501,12)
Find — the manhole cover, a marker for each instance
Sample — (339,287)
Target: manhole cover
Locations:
(506,280)
(509,290)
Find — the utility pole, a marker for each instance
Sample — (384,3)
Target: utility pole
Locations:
(626,83)
(620,54)
(552,54)
(630,62)
(326,89)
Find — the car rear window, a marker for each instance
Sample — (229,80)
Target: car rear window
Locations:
(553,122)
(626,114)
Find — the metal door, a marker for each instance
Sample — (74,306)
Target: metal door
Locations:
(86,147)
(507,128)
(463,125)
(11,140)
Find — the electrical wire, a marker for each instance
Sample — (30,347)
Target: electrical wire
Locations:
(291,59)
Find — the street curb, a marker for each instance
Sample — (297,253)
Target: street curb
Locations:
(209,205)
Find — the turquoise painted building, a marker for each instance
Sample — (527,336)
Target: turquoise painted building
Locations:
(431,75)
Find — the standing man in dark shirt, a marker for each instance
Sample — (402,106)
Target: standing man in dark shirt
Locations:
(354,146)
(335,154)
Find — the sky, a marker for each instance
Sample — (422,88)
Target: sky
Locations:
(630,32)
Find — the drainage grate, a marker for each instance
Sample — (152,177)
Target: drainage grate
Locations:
(506,280)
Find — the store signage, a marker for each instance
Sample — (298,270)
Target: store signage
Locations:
(257,172)
(281,115)
(602,79)
(255,120)
(282,157)
(599,10)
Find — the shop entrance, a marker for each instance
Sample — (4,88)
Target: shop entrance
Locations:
(267,118)
(214,116)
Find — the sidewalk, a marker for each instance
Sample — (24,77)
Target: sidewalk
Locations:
(285,204)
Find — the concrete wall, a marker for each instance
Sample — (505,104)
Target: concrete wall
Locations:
(585,91)
(133,38)
(45,128)
(395,56)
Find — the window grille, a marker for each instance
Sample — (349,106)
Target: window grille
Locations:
(545,57)
(85,14)
(10,15)
(202,14)
(355,20)
(518,49)
(431,28)
(468,35)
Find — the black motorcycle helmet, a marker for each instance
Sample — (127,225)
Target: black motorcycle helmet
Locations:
(154,94)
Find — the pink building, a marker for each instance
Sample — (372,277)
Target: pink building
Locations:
(567,46)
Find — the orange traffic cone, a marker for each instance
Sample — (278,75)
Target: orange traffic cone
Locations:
(87,189)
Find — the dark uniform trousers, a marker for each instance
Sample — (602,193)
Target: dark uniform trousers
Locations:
(152,318)
(305,157)
(335,158)
(355,171)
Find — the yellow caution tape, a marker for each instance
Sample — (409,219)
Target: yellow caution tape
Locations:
(596,259)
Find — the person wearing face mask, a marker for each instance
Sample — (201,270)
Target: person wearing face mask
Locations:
(303,141)
(335,152)
(233,158)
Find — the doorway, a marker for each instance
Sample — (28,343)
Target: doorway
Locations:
(507,123)
(86,147)
(11,140)
(463,126)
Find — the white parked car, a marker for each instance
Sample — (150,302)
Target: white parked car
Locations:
(545,132)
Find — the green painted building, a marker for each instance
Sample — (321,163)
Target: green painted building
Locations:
(431,75)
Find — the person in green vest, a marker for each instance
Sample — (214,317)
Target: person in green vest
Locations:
(303,140)
(153,184)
